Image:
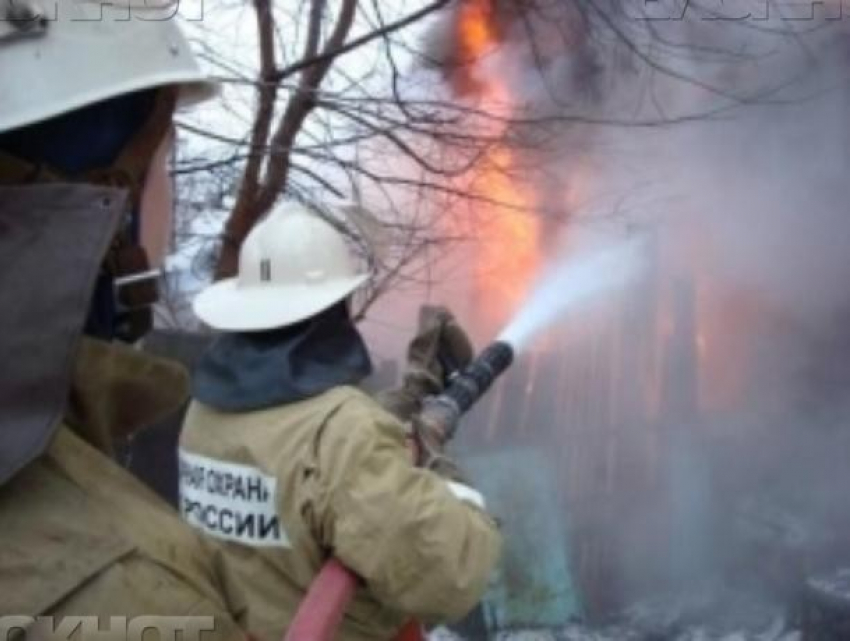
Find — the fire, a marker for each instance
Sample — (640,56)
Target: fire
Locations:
(476,29)
(508,254)
(475,35)
(505,223)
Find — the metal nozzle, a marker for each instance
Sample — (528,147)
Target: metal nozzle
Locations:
(467,387)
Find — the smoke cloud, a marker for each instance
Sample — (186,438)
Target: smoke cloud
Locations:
(704,412)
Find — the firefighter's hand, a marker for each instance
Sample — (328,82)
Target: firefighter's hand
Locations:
(440,348)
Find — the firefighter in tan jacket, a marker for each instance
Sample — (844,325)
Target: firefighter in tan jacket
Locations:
(88,93)
(287,462)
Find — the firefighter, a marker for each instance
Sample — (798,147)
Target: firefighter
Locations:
(86,105)
(287,462)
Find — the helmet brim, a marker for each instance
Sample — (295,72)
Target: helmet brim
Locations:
(226,306)
(79,60)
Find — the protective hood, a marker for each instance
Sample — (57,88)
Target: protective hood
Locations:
(249,371)
(52,240)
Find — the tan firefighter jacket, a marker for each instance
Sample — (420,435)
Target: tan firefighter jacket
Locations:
(285,488)
(81,536)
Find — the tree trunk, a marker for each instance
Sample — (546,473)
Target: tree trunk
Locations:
(242,219)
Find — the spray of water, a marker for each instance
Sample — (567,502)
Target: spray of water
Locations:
(572,283)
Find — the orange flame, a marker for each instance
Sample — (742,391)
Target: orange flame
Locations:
(475,35)
(505,224)
(476,29)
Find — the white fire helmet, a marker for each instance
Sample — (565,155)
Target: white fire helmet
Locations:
(292,266)
(61,55)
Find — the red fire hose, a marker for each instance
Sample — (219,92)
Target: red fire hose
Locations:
(321,611)
(323,607)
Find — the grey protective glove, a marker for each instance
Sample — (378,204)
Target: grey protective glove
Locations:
(440,348)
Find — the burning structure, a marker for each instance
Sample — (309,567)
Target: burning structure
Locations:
(695,429)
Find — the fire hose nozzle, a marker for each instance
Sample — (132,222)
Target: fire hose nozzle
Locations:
(443,411)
